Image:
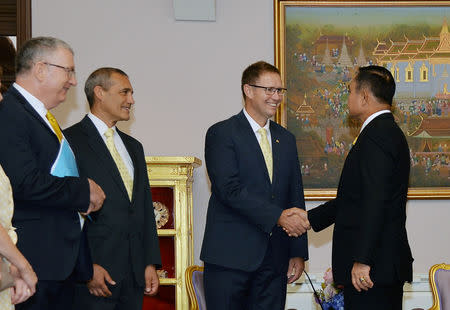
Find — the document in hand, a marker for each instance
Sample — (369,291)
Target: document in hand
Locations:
(65,165)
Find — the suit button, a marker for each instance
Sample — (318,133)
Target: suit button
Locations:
(273,196)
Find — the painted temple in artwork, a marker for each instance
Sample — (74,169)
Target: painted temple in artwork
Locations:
(420,66)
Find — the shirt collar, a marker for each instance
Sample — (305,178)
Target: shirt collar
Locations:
(255,126)
(371,117)
(32,100)
(99,124)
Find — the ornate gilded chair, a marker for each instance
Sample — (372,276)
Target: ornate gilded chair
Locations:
(194,284)
(440,286)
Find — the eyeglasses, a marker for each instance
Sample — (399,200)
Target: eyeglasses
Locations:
(270,91)
(70,71)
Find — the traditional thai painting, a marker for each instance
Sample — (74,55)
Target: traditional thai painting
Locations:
(322,47)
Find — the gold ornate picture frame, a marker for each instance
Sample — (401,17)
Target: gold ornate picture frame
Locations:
(318,45)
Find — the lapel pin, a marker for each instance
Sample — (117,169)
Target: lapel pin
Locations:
(277,141)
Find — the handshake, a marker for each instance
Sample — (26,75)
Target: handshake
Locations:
(294,221)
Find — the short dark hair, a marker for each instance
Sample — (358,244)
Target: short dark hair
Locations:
(36,49)
(378,80)
(252,73)
(100,77)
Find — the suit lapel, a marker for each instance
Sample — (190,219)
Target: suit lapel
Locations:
(27,106)
(99,148)
(246,132)
(276,149)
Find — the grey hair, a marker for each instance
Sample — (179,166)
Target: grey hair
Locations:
(35,50)
(100,77)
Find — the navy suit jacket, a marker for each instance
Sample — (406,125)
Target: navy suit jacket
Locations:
(45,206)
(245,206)
(369,211)
(122,232)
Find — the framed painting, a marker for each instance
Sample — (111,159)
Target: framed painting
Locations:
(318,46)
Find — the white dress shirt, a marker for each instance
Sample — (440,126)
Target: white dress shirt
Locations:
(37,105)
(101,128)
(255,127)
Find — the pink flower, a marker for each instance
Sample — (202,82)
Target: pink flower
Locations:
(328,276)
(329,292)
(330,296)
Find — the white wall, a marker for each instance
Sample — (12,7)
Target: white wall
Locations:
(186,76)
(428,233)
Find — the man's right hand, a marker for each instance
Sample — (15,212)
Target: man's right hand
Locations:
(97,286)
(294,221)
(97,196)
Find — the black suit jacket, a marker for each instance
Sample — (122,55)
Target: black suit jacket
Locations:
(45,206)
(369,211)
(244,206)
(121,228)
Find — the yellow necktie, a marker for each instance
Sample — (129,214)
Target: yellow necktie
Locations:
(55,125)
(126,178)
(267,152)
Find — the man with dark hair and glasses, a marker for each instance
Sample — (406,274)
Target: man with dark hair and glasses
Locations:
(256,185)
(50,199)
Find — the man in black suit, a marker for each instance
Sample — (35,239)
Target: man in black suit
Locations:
(253,166)
(122,236)
(48,194)
(371,254)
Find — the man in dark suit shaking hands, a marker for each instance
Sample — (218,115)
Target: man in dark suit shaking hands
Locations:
(48,194)
(122,237)
(371,254)
(254,170)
